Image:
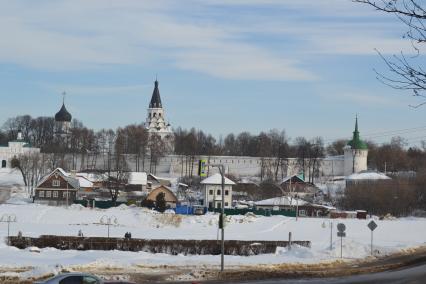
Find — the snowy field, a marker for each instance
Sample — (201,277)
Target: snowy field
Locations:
(34,220)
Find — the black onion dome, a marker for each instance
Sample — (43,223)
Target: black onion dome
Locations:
(155,99)
(63,114)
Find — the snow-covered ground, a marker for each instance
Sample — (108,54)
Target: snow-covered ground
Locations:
(35,220)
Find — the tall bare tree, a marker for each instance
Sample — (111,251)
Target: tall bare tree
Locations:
(32,167)
(406,72)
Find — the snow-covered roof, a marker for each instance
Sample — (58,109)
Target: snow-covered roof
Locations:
(290,177)
(217,179)
(84,182)
(137,178)
(73,181)
(93,177)
(62,171)
(281,201)
(367,176)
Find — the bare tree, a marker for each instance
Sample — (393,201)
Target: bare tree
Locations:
(31,166)
(405,73)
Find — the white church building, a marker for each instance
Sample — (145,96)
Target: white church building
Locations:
(156,121)
(14,149)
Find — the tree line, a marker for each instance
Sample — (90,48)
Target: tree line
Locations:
(133,141)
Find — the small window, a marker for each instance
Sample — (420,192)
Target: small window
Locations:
(218,192)
(64,194)
(219,205)
(56,183)
(211,191)
(48,194)
(41,193)
(226,192)
(55,194)
(226,204)
(3,164)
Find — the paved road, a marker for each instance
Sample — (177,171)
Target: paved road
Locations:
(408,275)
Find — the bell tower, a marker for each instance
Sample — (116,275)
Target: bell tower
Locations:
(156,120)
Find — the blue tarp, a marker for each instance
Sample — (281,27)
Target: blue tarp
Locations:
(184,210)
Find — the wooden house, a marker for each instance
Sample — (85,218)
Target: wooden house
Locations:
(57,188)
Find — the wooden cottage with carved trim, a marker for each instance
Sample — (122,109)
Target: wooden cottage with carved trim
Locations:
(57,188)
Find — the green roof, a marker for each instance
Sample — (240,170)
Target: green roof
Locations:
(356,142)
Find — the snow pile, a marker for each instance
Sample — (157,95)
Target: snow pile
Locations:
(10,177)
(367,176)
(295,252)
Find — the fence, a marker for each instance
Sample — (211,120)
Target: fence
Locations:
(256,212)
(173,247)
(102,204)
(187,210)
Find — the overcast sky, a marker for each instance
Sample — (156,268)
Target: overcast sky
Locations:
(305,66)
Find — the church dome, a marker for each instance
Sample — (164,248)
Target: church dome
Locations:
(63,115)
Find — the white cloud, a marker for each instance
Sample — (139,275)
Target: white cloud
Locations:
(64,35)
(67,36)
(364,98)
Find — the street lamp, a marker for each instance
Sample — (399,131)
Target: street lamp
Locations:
(8,218)
(108,221)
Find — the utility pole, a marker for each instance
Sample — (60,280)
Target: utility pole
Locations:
(66,181)
(8,218)
(222,213)
(201,171)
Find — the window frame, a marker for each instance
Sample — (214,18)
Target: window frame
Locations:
(56,182)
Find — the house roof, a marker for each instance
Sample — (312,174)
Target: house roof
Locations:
(281,201)
(93,177)
(137,178)
(298,177)
(84,182)
(217,179)
(367,175)
(152,195)
(155,99)
(74,182)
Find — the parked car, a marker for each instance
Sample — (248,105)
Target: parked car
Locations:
(78,278)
